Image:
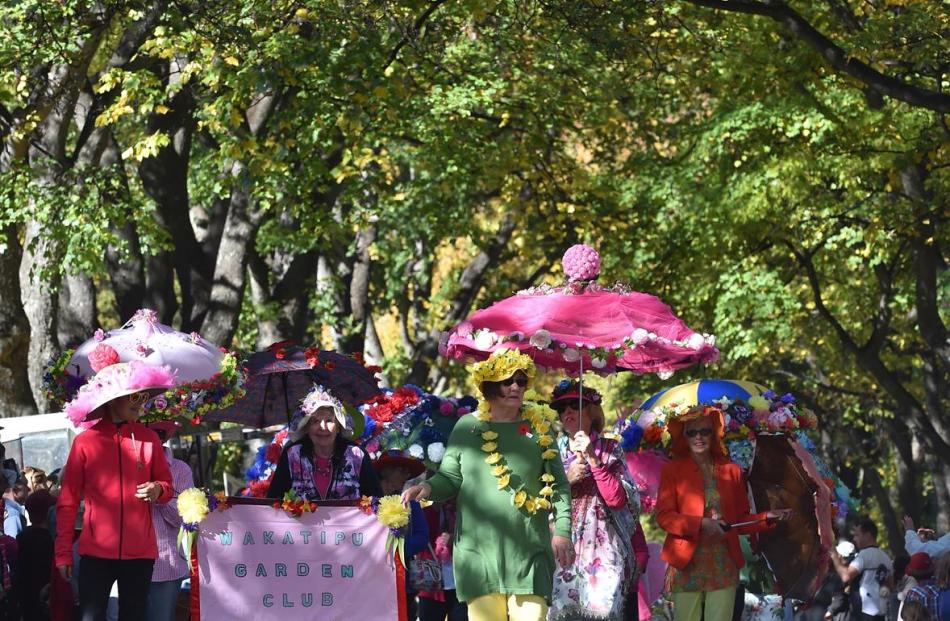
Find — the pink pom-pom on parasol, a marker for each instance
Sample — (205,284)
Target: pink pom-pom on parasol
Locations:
(581,262)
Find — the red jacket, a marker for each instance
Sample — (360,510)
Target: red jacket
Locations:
(681,502)
(104,468)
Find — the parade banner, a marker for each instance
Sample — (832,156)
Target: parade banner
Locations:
(258,562)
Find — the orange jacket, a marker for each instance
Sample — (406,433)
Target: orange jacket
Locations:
(681,502)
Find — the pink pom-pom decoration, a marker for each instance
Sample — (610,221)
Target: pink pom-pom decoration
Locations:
(443,549)
(102,356)
(581,262)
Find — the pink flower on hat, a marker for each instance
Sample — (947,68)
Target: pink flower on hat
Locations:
(102,356)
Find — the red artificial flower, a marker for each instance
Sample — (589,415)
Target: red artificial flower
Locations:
(313,356)
(273,453)
(258,488)
(524,429)
(374,369)
(358,356)
(196,420)
(280,353)
(329,365)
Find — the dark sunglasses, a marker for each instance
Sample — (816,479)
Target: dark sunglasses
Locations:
(704,432)
(521,381)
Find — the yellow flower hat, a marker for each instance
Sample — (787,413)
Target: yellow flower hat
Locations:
(501,365)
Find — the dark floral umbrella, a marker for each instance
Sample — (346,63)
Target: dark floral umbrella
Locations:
(280,376)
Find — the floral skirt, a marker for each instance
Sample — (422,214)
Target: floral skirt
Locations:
(595,585)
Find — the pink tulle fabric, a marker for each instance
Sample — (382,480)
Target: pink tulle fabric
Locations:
(115,381)
(645,468)
(664,342)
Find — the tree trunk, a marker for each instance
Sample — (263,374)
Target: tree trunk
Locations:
(127,275)
(16,399)
(423,371)
(374,350)
(875,488)
(77,310)
(227,293)
(40,305)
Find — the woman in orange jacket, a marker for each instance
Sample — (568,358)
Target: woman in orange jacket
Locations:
(701,493)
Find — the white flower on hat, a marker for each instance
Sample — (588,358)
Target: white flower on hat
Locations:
(484,339)
(416,451)
(571,355)
(598,363)
(540,339)
(436,452)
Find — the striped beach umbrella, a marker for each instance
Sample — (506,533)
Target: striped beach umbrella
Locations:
(703,391)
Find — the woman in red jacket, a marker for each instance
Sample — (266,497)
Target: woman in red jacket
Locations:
(118,468)
(701,493)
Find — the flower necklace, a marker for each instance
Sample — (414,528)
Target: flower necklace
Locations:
(540,417)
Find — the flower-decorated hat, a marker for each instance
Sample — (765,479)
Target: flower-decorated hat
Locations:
(501,365)
(398,459)
(114,381)
(677,424)
(570,390)
(318,397)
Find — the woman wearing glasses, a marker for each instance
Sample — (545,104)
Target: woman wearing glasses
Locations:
(701,493)
(605,504)
(502,467)
(118,467)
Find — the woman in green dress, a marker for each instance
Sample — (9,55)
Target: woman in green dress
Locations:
(503,468)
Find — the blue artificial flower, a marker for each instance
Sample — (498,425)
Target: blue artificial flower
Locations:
(788,398)
(769,394)
(630,437)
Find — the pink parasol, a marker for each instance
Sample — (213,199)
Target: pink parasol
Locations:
(583,326)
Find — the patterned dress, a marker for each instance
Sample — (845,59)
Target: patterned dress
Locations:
(711,567)
(596,584)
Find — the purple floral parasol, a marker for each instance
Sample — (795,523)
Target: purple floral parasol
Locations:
(208,376)
(280,376)
(583,326)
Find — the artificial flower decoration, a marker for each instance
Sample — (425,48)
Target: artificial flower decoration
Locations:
(295,505)
(393,514)
(581,263)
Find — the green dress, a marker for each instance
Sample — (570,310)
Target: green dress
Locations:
(499,548)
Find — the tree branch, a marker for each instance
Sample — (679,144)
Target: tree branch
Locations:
(833,54)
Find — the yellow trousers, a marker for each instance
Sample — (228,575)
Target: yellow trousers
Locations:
(502,607)
(690,606)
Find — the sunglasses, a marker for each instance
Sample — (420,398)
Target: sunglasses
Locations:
(138,398)
(704,432)
(521,381)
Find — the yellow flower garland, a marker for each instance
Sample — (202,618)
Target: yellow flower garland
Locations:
(540,417)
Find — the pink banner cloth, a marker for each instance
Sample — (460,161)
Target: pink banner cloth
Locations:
(554,328)
(258,562)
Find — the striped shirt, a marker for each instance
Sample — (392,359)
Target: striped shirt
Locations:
(928,595)
(170,565)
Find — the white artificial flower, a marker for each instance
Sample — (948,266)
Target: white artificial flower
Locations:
(665,375)
(598,363)
(416,451)
(484,339)
(571,355)
(540,339)
(695,341)
(639,336)
(436,452)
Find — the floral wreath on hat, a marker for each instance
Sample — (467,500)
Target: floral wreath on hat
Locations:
(317,398)
(501,365)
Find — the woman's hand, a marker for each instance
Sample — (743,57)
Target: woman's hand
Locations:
(149,492)
(66,571)
(780,515)
(712,528)
(563,550)
(577,471)
(580,444)
(417,492)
